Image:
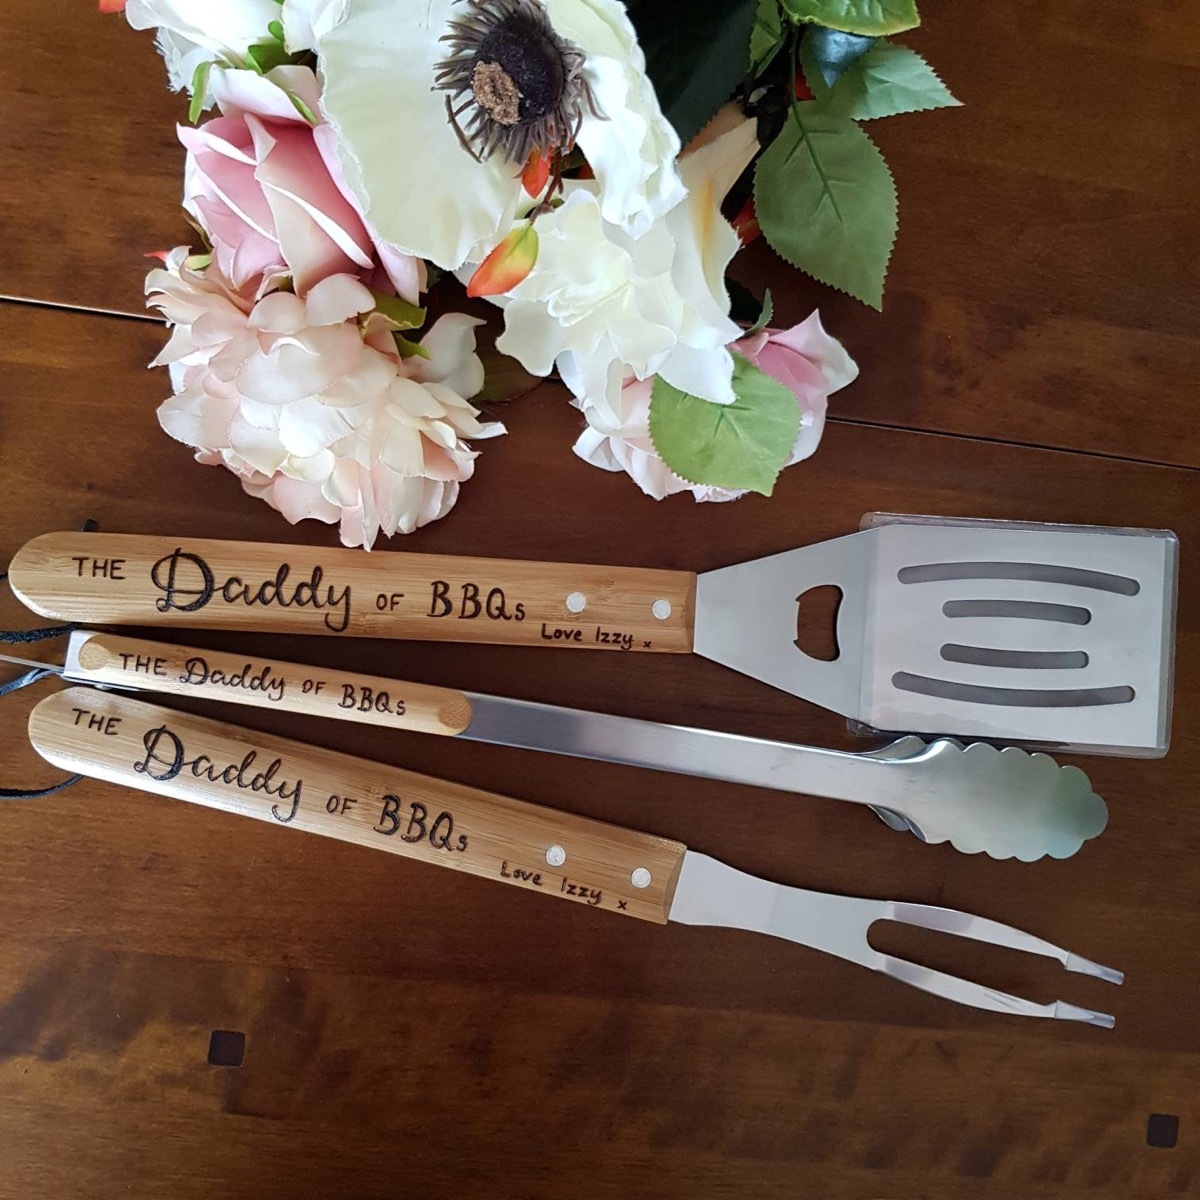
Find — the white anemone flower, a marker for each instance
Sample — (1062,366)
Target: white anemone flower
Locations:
(519,73)
(306,21)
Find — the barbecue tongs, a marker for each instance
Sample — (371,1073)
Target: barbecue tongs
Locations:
(1005,803)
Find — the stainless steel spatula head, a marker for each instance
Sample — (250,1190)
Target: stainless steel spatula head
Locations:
(1055,635)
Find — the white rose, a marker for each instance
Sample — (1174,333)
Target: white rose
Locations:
(633,152)
(191,32)
(600,305)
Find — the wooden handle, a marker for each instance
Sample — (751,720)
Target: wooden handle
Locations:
(111,736)
(127,579)
(265,683)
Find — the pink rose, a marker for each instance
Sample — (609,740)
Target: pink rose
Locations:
(804,359)
(265,185)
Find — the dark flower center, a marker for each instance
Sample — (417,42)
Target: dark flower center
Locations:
(513,86)
(531,65)
(495,92)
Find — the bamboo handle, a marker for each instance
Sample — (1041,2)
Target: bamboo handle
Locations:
(265,683)
(128,579)
(114,737)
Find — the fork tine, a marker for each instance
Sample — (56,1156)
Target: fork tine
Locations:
(709,892)
(981,929)
(975,995)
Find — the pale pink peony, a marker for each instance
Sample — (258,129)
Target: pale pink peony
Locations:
(804,358)
(265,186)
(314,409)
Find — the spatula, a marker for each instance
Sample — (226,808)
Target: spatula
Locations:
(1008,804)
(589,863)
(1034,633)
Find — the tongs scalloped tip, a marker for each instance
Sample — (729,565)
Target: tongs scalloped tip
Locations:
(1036,807)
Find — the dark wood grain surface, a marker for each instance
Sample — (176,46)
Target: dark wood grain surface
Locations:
(416,1033)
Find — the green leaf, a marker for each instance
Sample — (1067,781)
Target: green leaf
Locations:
(266,56)
(810,67)
(302,108)
(199,90)
(766,37)
(826,53)
(873,18)
(742,445)
(504,378)
(826,201)
(887,80)
(407,348)
(764,317)
(694,60)
(402,314)
(746,308)
(275,29)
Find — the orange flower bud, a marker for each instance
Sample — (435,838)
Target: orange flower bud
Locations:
(536,174)
(508,264)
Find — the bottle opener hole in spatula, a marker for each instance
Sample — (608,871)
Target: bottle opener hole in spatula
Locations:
(1052,635)
(592,864)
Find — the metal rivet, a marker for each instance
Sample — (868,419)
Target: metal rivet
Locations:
(641,878)
(576,602)
(661,609)
(556,856)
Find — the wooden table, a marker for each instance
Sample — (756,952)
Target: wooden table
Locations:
(417,1033)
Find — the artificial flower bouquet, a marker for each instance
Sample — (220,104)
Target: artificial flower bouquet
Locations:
(589,167)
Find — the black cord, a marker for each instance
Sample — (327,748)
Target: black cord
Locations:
(19,637)
(15,685)
(37,793)
(23,637)
(23,681)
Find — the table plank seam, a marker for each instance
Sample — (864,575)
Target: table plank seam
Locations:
(833,419)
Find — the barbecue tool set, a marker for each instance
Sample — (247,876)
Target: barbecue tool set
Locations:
(965,632)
